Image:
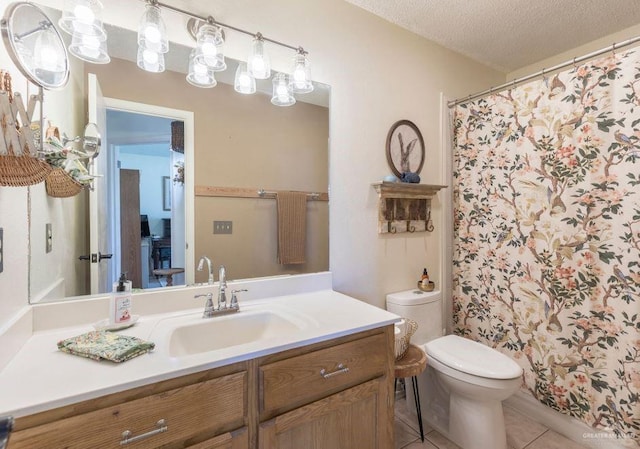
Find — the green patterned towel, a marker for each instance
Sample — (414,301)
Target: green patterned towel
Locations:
(102,345)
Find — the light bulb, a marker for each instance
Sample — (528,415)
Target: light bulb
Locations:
(282,95)
(152,31)
(149,60)
(244,80)
(258,63)
(150,57)
(244,83)
(46,53)
(152,34)
(209,48)
(90,46)
(84,14)
(200,75)
(301,75)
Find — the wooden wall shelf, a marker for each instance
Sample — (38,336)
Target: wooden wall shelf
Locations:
(405,207)
(246,192)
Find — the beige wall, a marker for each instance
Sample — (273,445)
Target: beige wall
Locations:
(241,141)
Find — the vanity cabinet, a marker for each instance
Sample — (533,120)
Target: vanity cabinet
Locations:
(207,410)
(337,397)
(335,394)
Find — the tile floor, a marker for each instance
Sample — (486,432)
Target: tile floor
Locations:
(521,433)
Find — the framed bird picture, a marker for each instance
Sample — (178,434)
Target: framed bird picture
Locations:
(405,148)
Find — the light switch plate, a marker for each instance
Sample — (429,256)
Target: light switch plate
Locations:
(49,238)
(1,250)
(222,227)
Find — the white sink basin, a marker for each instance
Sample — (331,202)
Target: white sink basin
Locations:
(210,334)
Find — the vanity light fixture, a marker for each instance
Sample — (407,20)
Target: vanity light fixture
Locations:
(90,48)
(82,19)
(282,95)
(258,62)
(244,83)
(300,80)
(209,46)
(153,42)
(200,75)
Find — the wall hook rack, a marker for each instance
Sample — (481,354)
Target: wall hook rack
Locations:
(405,207)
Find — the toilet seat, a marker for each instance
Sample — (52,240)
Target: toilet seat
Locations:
(465,356)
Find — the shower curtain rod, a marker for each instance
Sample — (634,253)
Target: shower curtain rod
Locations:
(542,72)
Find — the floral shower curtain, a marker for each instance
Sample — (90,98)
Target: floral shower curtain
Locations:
(547,237)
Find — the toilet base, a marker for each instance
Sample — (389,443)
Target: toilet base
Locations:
(476,425)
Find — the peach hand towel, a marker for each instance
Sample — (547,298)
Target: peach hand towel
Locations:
(292,227)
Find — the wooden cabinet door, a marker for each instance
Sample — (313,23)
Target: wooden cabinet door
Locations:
(238,439)
(359,417)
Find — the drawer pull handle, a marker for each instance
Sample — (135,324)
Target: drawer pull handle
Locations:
(161,426)
(339,370)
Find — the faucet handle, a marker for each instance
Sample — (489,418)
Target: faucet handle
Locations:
(234,299)
(208,307)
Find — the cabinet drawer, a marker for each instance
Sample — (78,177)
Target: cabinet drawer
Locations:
(206,408)
(292,382)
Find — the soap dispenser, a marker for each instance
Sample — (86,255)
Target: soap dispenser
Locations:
(120,304)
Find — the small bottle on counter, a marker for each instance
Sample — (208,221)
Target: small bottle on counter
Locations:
(425,276)
(120,303)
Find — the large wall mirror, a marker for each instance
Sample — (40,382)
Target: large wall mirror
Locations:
(171,154)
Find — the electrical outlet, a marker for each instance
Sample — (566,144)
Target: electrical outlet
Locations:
(223,227)
(1,250)
(49,238)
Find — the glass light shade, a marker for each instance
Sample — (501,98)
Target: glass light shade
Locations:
(300,80)
(89,48)
(244,83)
(83,16)
(282,95)
(258,62)
(152,32)
(210,47)
(200,75)
(150,60)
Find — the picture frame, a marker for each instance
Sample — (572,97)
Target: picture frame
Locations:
(405,148)
(166,193)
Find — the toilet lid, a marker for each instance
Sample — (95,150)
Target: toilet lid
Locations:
(472,357)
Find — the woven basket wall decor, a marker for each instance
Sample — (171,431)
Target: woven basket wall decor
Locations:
(60,185)
(19,167)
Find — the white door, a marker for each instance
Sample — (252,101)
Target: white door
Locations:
(100,241)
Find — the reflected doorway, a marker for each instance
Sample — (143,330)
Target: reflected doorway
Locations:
(148,229)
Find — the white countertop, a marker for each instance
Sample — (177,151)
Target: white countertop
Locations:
(40,377)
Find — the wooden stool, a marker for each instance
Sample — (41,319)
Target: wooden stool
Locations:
(168,272)
(411,365)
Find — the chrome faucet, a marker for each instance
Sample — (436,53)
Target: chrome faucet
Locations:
(222,289)
(201,266)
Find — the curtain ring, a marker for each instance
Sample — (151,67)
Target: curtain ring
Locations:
(613,49)
(514,83)
(574,62)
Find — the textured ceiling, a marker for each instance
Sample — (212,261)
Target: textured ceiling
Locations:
(508,34)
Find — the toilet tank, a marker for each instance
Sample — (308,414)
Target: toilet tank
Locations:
(425,308)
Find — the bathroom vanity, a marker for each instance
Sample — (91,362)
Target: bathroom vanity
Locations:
(325,383)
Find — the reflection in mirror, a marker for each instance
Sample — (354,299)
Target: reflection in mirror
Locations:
(240,144)
(36,45)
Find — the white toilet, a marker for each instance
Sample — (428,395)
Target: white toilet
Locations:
(465,382)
